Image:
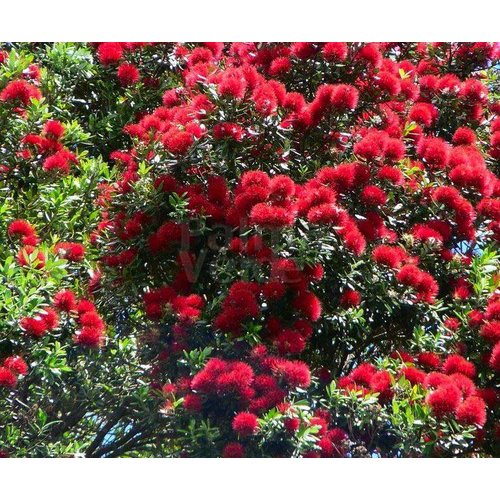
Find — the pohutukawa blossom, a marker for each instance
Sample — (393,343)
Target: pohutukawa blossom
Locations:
(16,364)
(245,424)
(21,92)
(89,336)
(233,450)
(74,252)
(413,375)
(429,360)
(110,52)
(53,129)
(350,298)
(65,300)
(444,400)
(472,411)
(23,229)
(494,361)
(8,378)
(457,364)
(335,51)
(30,256)
(128,74)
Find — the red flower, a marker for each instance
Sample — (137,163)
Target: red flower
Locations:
(65,300)
(381,382)
(472,411)
(327,213)
(233,85)
(20,90)
(228,130)
(294,373)
(53,129)
(24,229)
(291,424)
(178,142)
(8,378)
(435,152)
(109,52)
(403,356)
(395,150)
(89,336)
(280,66)
(452,324)
(444,400)
(423,113)
(413,375)
(128,74)
(344,97)
(388,82)
(245,424)
(350,298)
(91,319)
(389,256)
(270,216)
(489,395)
(303,50)
(491,331)
(24,257)
(16,364)
(475,318)
(435,379)
(233,450)
(372,145)
(464,136)
(371,54)
(73,252)
(473,91)
(495,358)
(290,342)
(193,403)
(363,374)
(373,196)
(308,304)
(457,364)
(58,162)
(465,384)
(425,285)
(391,174)
(335,51)
(35,327)
(50,317)
(429,360)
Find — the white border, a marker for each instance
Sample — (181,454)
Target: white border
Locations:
(264,479)
(237,20)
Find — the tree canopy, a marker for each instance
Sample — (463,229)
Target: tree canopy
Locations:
(249,249)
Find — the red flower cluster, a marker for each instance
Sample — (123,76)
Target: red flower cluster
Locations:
(185,307)
(10,370)
(254,389)
(20,92)
(92,327)
(452,391)
(422,282)
(25,230)
(73,252)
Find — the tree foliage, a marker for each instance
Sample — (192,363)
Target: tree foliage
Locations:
(249,249)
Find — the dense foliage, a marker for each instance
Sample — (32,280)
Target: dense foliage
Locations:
(249,249)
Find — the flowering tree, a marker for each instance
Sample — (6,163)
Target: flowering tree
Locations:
(250,249)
